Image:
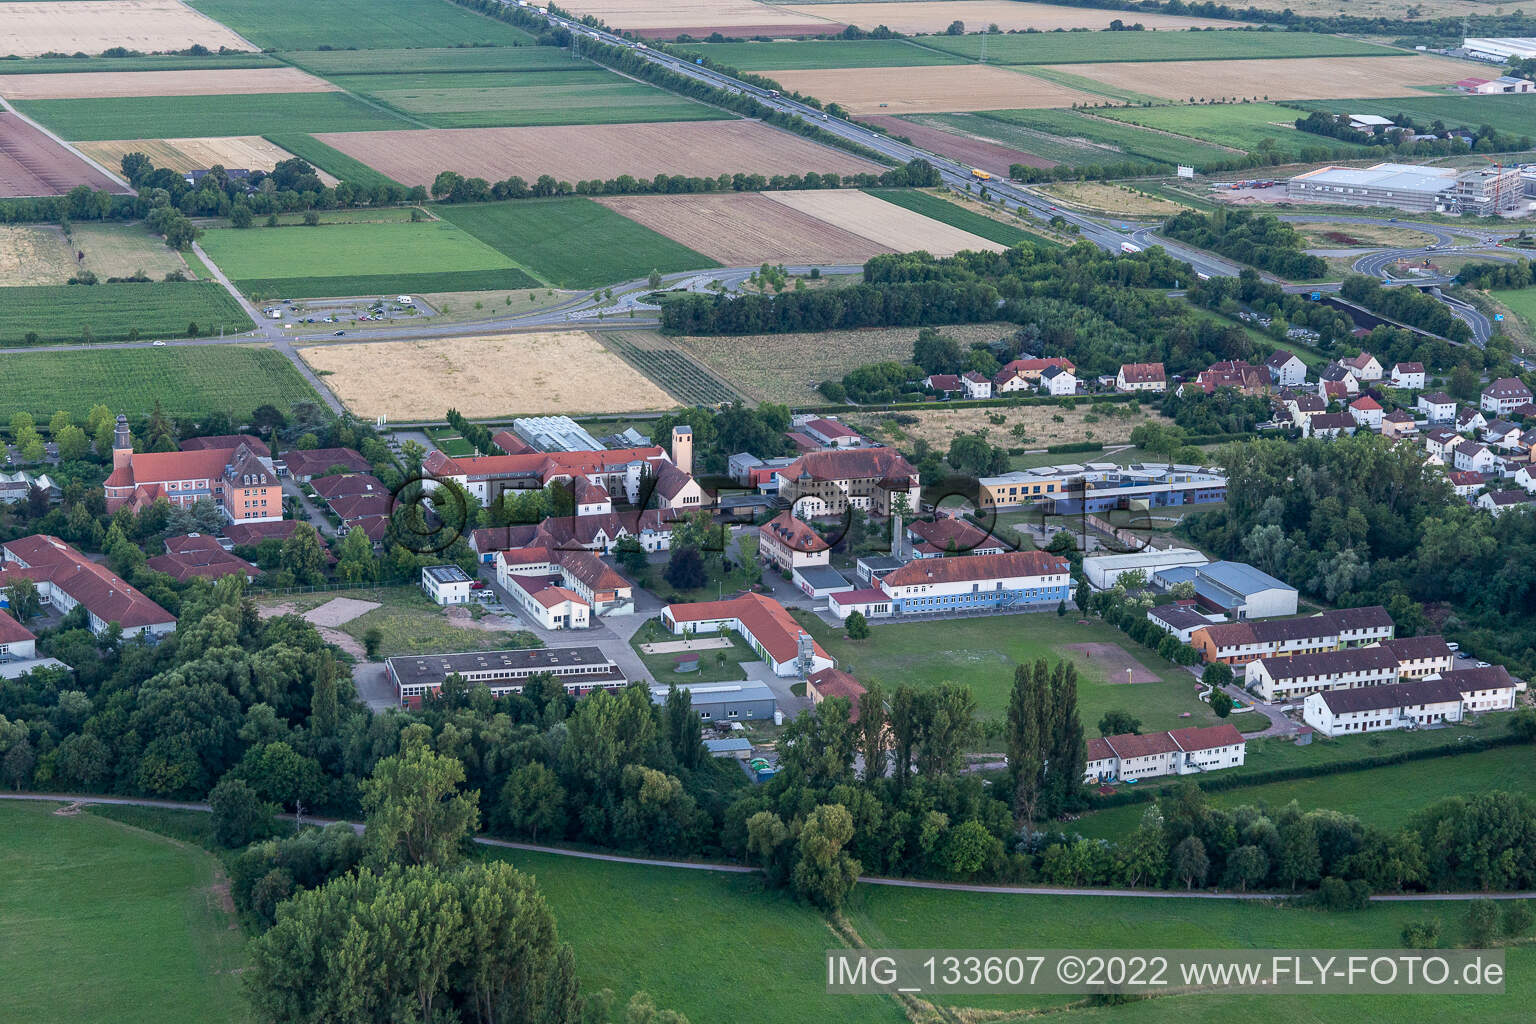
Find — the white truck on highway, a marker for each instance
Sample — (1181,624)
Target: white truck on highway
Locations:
(1129,247)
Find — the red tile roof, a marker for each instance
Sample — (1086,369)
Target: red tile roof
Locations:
(976,567)
(1130,745)
(793,533)
(851,464)
(318,460)
(229,442)
(164,467)
(1207,737)
(103,593)
(831,428)
(195,554)
(1142,373)
(763,617)
(1365,403)
(832,682)
(13,632)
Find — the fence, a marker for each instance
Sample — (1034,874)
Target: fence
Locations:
(325,588)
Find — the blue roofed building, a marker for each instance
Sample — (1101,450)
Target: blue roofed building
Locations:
(1233,589)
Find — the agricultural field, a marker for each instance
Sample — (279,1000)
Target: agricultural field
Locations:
(700,18)
(785,55)
(788,367)
(33,255)
(1377,796)
(1244,126)
(672,367)
(983,652)
(572,242)
(745,228)
(560,372)
(883,222)
(437,61)
(227,61)
(329,162)
(1504,113)
(939,425)
(84,85)
(159,117)
(1099,47)
(32,164)
(1302,78)
(1117,200)
(956,144)
(116,312)
(930,89)
(1079,139)
(576,153)
(189,380)
(910,17)
(360,24)
(31,29)
(945,207)
(142,920)
(249,151)
(122,250)
(578,94)
(338,259)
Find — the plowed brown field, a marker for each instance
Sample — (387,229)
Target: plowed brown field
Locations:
(931,89)
(91,26)
(989,156)
(576,152)
(32,164)
(90,85)
(744,228)
(1306,78)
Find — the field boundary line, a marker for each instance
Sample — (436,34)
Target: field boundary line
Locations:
(742,869)
(203,14)
(1159,131)
(5,105)
(367,101)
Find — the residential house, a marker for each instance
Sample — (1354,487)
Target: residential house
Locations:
(787,543)
(828,483)
(446,584)
(943,383)
(1420,656)
(66,579)
(242,483)
(1399,423)
(1364,367)
(1286,369)
(1131,756)
(1283,679)
(832,433)
(1331,424)
(976,385)
(1024,374)
(1141,377)
(194,555)
(1471,455)
(1058,381)
(1525,478)
(1502,434)
(834,682)
(1336,382)
(1437,407)
(1467,483)
(1011,580)
(1440,445)
(1499,502)
(1237,643)
(580,670)
(1504,395)
(1367,412)
(762,622)
(1405,705)
(1245,377)
(1485,689)
(1470,421)
(1303,405)
(1408,376)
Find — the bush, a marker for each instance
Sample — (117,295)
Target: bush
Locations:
(1423,934)
(240,816)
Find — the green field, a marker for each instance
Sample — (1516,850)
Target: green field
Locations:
(328,159)
(63,313)
(1520,301)
(1383,797)
(178,117)
(359,259)
(1513,114)
(160,62)
(1242,126)
(573,242)
(1068,137)
(428,60)
(412,624)
(1097,47)
(579,94)
(360,24)
(940,209)
(797,55)
(103,922)
(187,381)
(982,652)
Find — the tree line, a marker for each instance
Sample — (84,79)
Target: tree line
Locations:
(1260,240)
(1406,304)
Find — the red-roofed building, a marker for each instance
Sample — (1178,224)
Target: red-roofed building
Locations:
(787,543)
(635,473)
(16,641)
(1013,579)
(603,589)
(1366,412)
(761,621)
(1024,374)
(241,482)
(1244,377)
(829,482)
(834,434)
(833,682)
(197,554)
(1189,751)
(305,466)
(65,578)
(949,535)
(1141,377)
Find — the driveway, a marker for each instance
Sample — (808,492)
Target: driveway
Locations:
(371,681)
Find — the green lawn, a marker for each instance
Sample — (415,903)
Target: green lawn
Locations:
(329,159)
(940,209)
(580,94)
(982,653)
(573,242)
(411,623)
(1240,125)
(1521,301)
(359,259)
(155,62)
(64,313)
(716,666)
(175,117)
(101,922)
(187,381)
(715,947)
(1097,47)
(1383,797)
(1505,113)
(798,55)
(360,24)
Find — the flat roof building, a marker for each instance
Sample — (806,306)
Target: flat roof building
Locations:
(580,669)
(1481,191)
(746,700)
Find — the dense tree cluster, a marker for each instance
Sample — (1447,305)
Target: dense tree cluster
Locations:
(1406,305)
(1260,240)
(1485,139)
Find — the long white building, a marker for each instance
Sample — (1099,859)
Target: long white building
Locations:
(1412,704)
(1180,752)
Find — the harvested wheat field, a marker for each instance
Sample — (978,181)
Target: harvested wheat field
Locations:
(914,16)
(252,152)
(1041,425)
(91,26)
(1119,200)
(31,255)
(576,152)
(882,222)
(925,90)
(746,228)
(788,367)
(32,164)
(1304,78)
(93,85)
(491,375)
(699,18)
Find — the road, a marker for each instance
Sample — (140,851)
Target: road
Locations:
(740,869)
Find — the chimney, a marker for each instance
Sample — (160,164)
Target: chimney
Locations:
(122,444)
(682,448)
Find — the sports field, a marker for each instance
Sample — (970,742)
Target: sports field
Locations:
(360,24)
(573,242)
(579,94)
(1098,47)
(924,89)
(109,312)
(555,372)
(187,380)
(29,29)
(1505,113)
(162,117)
(1302,78)
(1243,126)
(581,152)
(786,55)
(249,151)
(103,922)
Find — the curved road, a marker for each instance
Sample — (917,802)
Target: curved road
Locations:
(738,869)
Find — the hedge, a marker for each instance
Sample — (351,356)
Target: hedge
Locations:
(1075,446)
